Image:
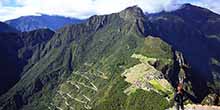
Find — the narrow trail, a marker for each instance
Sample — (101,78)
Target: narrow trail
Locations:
(198,107)
(202,107)
(70,93)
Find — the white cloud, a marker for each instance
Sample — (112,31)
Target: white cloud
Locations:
(213,5)
(86,8)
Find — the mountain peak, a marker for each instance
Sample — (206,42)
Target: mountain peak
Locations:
(132,13)
(187,5)
(195,8)
(134,8)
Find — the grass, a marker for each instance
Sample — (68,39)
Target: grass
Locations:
(163,87)
(148,100)
(109,50)
(143,59)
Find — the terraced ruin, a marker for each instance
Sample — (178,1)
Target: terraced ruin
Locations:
(145,76)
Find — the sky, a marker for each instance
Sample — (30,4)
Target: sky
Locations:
(10,9)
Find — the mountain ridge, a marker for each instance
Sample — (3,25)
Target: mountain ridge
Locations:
(6,28)
(18,48)
(100,49)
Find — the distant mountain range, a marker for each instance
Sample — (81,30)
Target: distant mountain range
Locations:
(29,23)
(128,60)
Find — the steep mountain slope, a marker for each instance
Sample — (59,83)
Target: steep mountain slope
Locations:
(34,43)
(99,49)
(17,48)
(9,65)
(111,62)
(198,107)
(192,30)
(9,45)
(29,23)
(6,28)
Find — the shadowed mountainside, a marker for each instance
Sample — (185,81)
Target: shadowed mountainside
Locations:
(192,31)
(6,28)
(17,48)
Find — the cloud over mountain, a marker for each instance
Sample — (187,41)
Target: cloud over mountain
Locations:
(85,8)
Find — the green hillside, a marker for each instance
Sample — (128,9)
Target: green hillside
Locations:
(99,51)
(122,61)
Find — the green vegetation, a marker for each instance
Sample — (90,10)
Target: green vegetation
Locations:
(143,58)
(111,90)
(147,100)
(156,48)
(109,62)
(163,87)
(117,100)
(81,68)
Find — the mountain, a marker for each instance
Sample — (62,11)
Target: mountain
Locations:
(16,51)
(122,61)
(9,65)
(9,43)
(6,28)
(192,30)
(29,23)
(34,42)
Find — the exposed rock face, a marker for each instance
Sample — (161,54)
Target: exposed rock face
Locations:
(132,14)
(182,64)
(136,16)
(211,99)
